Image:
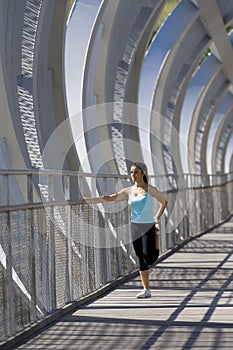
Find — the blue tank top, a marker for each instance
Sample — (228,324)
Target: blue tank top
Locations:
(141,208)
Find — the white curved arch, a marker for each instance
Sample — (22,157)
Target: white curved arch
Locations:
(228,155)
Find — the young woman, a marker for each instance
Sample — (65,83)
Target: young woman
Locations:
(145,235)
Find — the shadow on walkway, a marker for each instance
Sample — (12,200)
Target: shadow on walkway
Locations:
(191,306)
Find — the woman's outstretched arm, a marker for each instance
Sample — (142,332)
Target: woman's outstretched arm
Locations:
(123,194)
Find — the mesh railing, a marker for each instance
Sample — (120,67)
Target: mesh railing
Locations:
(55,252)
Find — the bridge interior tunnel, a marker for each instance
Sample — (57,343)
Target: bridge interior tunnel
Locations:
(87,87)
(123,86)
(166,101)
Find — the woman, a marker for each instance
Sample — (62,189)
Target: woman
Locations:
(145,235)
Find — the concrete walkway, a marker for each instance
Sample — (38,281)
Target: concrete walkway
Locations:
(191,306)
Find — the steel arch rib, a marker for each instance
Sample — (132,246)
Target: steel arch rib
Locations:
(168,67)
(228,155)
(114,57)
(221,141)
(224,108)
(203,95)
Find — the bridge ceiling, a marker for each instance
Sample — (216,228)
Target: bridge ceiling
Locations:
(167,101)
(184,76)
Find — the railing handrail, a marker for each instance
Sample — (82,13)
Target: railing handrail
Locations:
(56,172)
(79,173)
(45,204)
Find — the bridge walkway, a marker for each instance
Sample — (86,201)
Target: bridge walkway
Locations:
(191,306)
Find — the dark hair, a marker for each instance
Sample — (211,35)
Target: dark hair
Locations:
(143,168)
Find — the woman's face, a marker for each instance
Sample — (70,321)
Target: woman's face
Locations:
(136,174)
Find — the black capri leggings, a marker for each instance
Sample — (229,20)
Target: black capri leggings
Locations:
(144,244)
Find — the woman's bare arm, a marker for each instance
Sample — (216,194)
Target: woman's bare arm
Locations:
(123,194)
(159,196)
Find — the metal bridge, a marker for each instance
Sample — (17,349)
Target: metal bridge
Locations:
(84,90)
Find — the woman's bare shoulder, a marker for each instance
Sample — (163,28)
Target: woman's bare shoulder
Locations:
(152,190)
(125,191)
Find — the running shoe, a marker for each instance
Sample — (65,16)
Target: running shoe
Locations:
(145,293)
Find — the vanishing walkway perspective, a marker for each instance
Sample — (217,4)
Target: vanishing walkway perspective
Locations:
(86,88)
(191,305)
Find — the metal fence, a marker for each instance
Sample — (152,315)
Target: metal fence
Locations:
(55,248)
